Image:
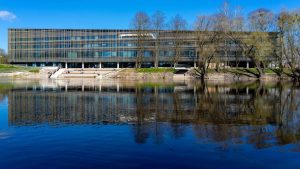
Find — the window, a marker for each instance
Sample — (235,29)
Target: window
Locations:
(72,55)
(148,54)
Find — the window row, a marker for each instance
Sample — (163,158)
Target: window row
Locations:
(65,38)
(75,45)
(82,54)
(96,54)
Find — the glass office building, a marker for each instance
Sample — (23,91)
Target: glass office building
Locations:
(104,48)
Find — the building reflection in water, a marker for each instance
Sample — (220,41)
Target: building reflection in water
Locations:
(255,114)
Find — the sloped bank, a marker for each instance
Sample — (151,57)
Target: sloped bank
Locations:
(241,74)
(145,74)
(22,72)
(154,74)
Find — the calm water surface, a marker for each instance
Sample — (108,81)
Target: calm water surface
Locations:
(148,125)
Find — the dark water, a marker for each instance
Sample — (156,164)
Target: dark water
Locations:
(149,125)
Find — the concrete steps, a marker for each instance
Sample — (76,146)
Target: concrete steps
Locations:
(109,74)
(86,73)
(57,74)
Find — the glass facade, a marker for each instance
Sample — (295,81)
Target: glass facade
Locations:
(85,45)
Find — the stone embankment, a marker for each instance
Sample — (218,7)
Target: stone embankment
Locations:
(132,74)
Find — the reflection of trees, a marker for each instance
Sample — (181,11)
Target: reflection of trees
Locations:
(270,113)
(3,93)
(2,96)
(257,114)
(288,131)
(177,116)
(141,131)
(277,106)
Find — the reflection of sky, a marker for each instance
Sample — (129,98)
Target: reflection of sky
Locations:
(3,135)
(3,114)
(112,146)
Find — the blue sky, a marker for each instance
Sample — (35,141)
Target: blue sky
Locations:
(110,13)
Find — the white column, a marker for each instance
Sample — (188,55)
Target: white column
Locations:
(118,65)
(66,65)
(100,65)
(82,65)
(195,64)
(247,64)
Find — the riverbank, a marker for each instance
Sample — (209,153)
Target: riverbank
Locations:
(23,72)
(6,68)
(145,74)
(228,74)
(243,74)
(141,74)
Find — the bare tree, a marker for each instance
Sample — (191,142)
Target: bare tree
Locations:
(205,44)
(230,23)
(236,33)
(261,23)
(3,56)
(2,52)
(141,23)
(288,25)
(222,26)
(222,18)
(258,44)
(158,24)
(178,26)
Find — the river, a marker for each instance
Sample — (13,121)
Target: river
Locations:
(92,124)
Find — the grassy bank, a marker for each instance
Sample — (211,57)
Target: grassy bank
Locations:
(155,70)
(241,71)
(226,70)
(6,68)
(249,70)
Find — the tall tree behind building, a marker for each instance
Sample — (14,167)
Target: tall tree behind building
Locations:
(260,48)
(3,56)
(178,25)
(204,42)
(158,24)
(141,23)
(288,25)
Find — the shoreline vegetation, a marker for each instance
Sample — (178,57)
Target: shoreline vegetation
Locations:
(154,74)
(154,70)
(7,68)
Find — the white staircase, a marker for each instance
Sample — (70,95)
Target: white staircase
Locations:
(57,74)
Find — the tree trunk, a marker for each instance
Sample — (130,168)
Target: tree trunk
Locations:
(260,70)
